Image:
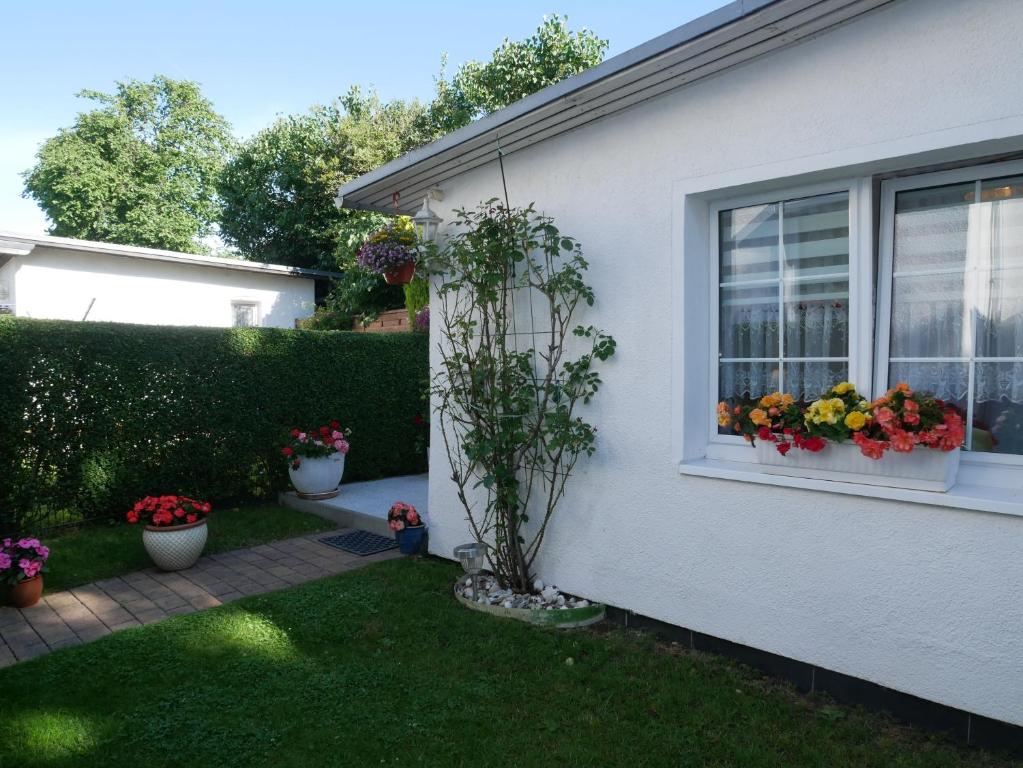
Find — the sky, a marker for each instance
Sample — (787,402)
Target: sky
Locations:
(256,60)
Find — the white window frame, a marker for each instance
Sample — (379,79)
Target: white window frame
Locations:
(977,467)
(256,312)
(861,294)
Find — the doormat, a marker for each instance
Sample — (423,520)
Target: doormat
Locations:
(360,543)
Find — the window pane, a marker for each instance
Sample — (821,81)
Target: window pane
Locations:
(817,235)
(947,381)
(749,321)
(1005,197)
(808,381)
(998,408)
(817,319)
(244,315)
(749,243)
(927,316)
(931,228)
(748,381)
(999,318)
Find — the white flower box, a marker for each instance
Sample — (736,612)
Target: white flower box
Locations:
(923,469)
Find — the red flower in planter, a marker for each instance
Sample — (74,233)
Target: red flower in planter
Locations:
(168,510)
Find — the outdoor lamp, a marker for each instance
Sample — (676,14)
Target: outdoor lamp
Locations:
(427,222)
(472,557)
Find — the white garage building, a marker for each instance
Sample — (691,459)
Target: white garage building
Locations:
(59,278)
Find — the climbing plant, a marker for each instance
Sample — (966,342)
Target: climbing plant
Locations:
(509,411)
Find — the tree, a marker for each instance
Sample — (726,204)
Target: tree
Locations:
(509,417)
(141,169)
(278,190)
(516,70)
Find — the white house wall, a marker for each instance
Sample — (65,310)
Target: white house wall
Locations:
(926,600)
(59,284)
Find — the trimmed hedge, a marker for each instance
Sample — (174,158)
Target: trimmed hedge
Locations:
(95,415)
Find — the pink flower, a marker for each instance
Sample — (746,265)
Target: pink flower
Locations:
(5,561)
(341,446)
(884,416)
(30,567)
(301,437)
(28,543)
(43,552)
(902,441)
(336,435)
(911,417)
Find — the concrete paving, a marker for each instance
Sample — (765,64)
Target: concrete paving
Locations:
(365,505)
(91,611)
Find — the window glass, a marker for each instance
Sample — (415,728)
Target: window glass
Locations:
(244,315)
(957,303)
(783,321)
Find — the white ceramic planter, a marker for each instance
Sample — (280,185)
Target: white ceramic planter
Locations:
(923,469)
(176,547)
(318,478)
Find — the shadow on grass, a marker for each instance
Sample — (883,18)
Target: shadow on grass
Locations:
(382,665)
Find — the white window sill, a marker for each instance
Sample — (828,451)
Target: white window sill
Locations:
(983,498)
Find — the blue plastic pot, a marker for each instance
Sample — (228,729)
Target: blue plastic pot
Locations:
(410,540)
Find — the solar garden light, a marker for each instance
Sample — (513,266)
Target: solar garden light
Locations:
(472,557)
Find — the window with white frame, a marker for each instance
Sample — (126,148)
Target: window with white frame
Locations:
(951,315)
(796,299)
(783,288)
(245,314)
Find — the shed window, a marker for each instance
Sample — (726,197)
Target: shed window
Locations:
(246,314)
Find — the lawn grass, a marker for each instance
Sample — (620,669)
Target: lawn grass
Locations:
(382,666)
(102,551)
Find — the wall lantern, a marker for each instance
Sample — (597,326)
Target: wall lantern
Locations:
(426,221)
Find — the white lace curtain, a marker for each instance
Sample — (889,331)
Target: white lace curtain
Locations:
(943,278)
(813,329)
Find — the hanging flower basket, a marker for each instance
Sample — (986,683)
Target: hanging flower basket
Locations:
(902,439)
(391,252)
(402,275)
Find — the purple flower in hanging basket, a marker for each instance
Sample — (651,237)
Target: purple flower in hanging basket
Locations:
(389,248)
(423,319)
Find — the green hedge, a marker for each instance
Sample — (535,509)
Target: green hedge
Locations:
(95,415)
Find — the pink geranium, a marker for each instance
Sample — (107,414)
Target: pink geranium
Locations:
(22,559)
(314,443)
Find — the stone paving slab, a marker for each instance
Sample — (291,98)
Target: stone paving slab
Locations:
(92,611)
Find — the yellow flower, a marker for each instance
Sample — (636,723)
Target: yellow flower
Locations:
(842,388)
(855,421)
(758,417)
(837,405)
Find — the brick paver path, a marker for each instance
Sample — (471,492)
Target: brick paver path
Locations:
(94,610)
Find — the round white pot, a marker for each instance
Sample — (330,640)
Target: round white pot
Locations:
(318,478)
(176,547)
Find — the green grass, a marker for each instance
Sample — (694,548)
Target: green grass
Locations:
(103,551)
(382,666)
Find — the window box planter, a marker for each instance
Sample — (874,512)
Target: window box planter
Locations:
(923,469)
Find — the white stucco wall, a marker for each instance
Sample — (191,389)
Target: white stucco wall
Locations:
(923,599)
(58,284)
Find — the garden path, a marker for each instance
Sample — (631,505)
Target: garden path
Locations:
(91,611)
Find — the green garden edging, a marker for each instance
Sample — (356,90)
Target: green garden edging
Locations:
(561,618)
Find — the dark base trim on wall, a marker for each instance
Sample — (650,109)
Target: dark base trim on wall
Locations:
(972,729)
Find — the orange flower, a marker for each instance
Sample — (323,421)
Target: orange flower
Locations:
(758,417)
